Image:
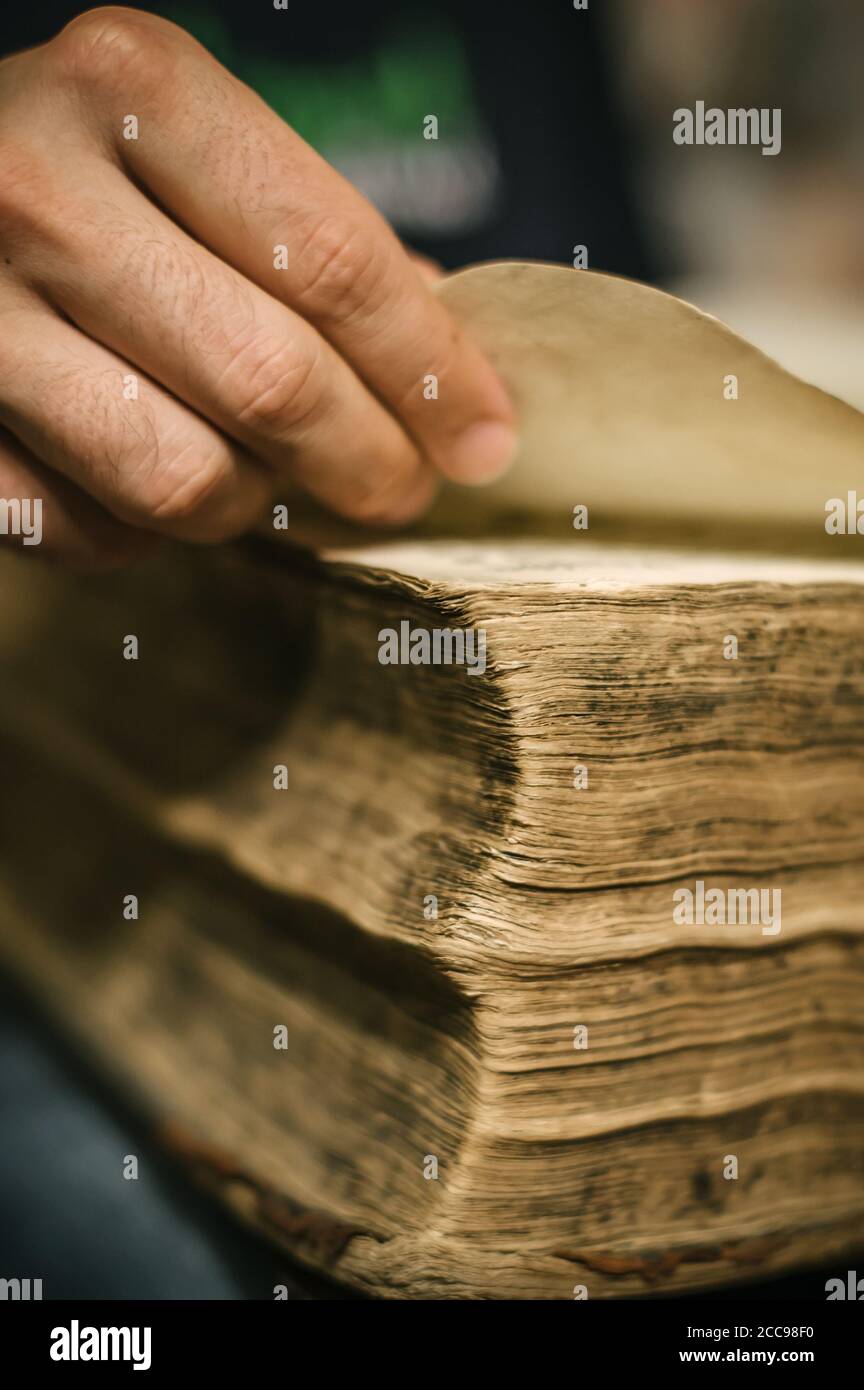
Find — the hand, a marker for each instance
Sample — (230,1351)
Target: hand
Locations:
(191,316)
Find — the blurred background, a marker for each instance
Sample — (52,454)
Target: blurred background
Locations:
(774,245)
(554,132)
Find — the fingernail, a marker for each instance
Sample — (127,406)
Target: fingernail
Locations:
(482,453)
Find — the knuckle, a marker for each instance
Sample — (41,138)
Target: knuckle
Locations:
(342,269)
(105,47)
(25,186)
(194,493)
(180,489)
(281,388)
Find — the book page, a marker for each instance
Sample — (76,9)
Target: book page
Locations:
(582,564)
(633,402)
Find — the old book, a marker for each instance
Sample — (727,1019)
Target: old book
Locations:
(479,917)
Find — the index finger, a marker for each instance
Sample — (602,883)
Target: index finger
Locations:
(247,186)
